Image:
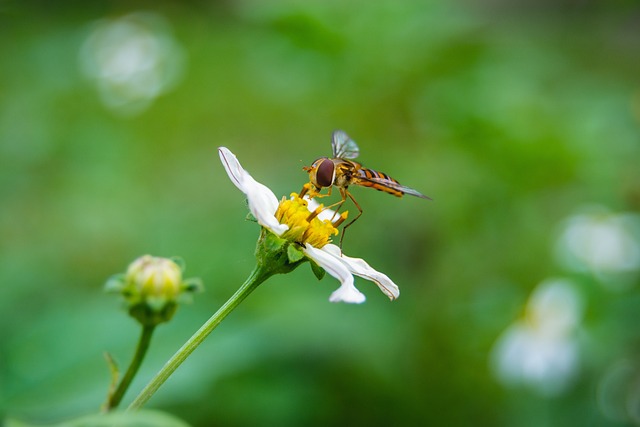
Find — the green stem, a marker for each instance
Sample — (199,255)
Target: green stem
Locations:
(141,350)
(258,276)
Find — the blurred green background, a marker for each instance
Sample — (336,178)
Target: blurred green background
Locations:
(520,119)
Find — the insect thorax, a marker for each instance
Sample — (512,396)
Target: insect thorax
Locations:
(345,171)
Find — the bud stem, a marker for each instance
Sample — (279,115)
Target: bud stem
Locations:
(259,275)
(143,344)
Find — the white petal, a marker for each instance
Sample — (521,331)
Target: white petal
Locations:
(347,294)
(262,202)
(261,205)
(233,167)
(359,267)
(335,267)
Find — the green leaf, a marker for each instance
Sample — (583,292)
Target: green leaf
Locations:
(145,418)
(317,270)
(294,253)
(115,374)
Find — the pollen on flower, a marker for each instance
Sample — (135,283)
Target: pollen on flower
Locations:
(305,226)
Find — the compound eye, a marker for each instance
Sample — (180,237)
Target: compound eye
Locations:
(324,175)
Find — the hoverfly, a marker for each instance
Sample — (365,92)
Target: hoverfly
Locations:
(341,171)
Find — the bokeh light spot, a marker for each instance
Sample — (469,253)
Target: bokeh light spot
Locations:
(132,60)
(604,244)
(541,351)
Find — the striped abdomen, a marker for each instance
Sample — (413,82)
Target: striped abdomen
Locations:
(378,180)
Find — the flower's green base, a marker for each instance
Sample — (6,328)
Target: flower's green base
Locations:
(277,255)
(148,315)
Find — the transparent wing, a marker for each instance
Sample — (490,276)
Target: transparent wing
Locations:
(343,146)
(381,184)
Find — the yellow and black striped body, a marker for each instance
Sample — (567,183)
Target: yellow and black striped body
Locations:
(383,182)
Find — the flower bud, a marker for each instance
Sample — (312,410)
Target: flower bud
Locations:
(151,288)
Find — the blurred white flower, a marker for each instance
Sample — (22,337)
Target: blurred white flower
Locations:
(605,244)
(541,350)
(309,227)
(132,59)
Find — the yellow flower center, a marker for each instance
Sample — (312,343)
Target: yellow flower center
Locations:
(305,226)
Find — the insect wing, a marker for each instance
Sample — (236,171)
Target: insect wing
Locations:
(393,186)
(343,146)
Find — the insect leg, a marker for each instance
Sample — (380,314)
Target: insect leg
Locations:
(346,193)
(338,204)
(313,191)
(325,195)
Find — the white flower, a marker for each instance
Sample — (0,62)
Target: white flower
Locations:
(541,350)
(310,231)
(603,243)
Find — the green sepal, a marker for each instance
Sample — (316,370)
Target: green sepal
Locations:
(193,285)
(273,243)
(115,283)
(153,312)
(274,254)
(179,262)
(294,253)
(318,271)
(250,217)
